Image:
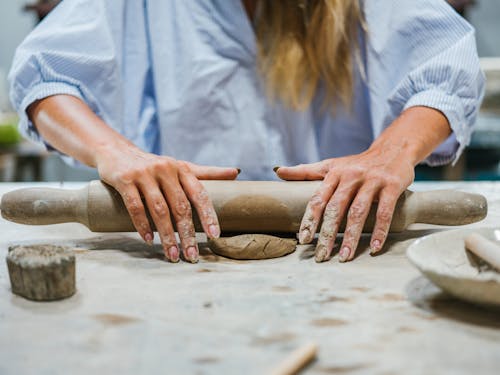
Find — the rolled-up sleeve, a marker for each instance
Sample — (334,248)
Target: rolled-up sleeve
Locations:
(423,54)
(74,52)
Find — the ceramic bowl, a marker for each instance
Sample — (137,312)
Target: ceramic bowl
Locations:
(443,258)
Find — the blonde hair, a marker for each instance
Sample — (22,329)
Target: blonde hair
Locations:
(302,43)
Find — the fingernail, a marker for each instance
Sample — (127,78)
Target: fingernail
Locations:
(214,231)
(304,236)
(275,169)
(375,247)
(344,254)
(192,254)
(239,170)
(173,254)
(320,255)
(148,237)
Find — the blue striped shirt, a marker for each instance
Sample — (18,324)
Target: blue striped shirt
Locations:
(178,77)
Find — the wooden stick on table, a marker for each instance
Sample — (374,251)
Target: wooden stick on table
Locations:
(297,360)
(484,248)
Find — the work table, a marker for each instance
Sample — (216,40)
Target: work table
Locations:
(134,313)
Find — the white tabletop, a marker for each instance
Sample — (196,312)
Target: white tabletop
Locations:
(134,313)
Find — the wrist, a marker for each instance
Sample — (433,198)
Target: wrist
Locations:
(391,149)
(116,149)
(414,134)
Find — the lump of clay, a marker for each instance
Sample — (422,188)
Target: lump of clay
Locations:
(252,246)
(41,272)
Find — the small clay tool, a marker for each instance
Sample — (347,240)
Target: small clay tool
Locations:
(484,248)
(297,360)
(41,272)
(252,246)
(241,206)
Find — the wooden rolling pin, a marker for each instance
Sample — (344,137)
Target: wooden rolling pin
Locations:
(241,206)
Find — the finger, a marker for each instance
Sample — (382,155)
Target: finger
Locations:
(385,210)
(313,171)
(315,208)
(160,214)
(198,196)
(135,207)
(332,218)
(181,211)
(212,173)
(356,217)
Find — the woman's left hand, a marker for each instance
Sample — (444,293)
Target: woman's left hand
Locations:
(350,185)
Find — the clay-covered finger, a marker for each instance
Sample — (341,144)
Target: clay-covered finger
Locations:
(385,210)
(201,201)
(160,213)
(187,236)
(315,208)
(356,218)
(135,207)
(181,211)
(332,218)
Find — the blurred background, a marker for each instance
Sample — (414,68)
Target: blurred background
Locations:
(21,160)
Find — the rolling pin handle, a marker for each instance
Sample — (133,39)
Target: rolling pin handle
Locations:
(447,207)
(43,206)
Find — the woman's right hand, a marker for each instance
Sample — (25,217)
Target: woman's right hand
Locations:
(166,187)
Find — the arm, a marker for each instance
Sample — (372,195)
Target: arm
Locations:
(416,133)
(70,126)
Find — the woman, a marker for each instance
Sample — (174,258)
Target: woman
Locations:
(355,93)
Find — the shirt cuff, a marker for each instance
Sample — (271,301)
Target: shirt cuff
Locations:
(451,106)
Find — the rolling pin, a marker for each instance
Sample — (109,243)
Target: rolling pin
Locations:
(241,206)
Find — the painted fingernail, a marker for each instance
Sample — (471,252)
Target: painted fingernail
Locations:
(375,247)
(344,254)
(320,255)
(239,170)
(304,236)
(148,237)
(214,231)
(275,169)
(192,254)
(173,254)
